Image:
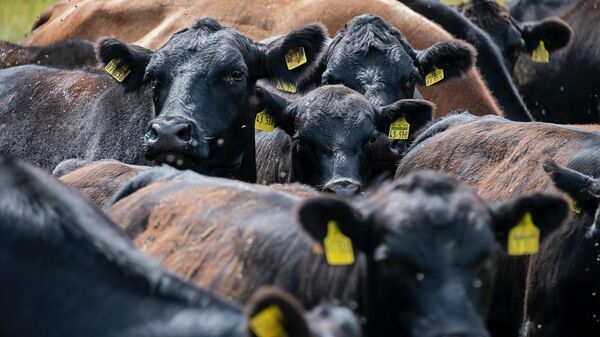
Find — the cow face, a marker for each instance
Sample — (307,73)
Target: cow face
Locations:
(511,36)
(431,245)
(202,81)
(333,129)
(373,58)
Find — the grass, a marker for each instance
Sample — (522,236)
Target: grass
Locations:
(17,17)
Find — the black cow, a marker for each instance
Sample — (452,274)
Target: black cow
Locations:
(567,89)
(70,54)
(424,245)
(67,270)
(328,137)
(192,99)
(563,288)
(514,37)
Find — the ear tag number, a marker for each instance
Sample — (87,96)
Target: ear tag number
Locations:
(524,238)
(264,122)
(287,87)
(295,58)
(540,54)
(436,75)
(267,323)
(573,204)
(117,69)
(338,247)
(399,129)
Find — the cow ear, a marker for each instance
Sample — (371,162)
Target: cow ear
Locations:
(130,61)
(272,308)
(555,33)
(454,57)
(295,55)
(278,108)
(547,213)
(417,112)
(314,215)
(583,189)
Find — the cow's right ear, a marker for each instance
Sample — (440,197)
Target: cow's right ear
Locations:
(274,309)
(547,214)
(294,55)
(278,108)
(583,189)
(315,214)
(125,63)
(417,112)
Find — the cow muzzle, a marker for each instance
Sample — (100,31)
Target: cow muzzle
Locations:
(344,187)
(174,140)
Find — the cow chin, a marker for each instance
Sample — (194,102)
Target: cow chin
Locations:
(178,160)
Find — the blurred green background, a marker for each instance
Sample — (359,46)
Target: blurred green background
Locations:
(17,17)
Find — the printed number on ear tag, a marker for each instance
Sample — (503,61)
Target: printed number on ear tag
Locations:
(436,75)
(399,129)
(287,87)
(117,69)
(264,122)
(540,54)
(338,247)
(573,205)
(267,323)
(524,238)
(295,58)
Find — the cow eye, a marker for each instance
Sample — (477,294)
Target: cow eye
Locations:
(156,85)
(237,75)
(412,78)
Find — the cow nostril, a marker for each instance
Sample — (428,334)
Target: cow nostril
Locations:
(185,133)
(154,129)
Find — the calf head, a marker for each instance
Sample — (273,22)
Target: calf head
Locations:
(513,37)
(334,130)
(202,83)
(431,245)
(374,58)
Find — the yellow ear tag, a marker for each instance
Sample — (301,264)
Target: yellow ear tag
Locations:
(287,87)
(338,247)
(399,129)
(573,205)
(540,54)
(117,69)
(524,238)
(434,76)
(295,58)
(267,323)
(264,122)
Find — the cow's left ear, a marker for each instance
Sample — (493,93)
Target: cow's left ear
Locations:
(417,112)
(125,63)
(547,214)
(454,57)
(294,55)
(272,308)
(279,108)
(555,33)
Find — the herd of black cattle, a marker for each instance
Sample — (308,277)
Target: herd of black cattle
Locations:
(303,172)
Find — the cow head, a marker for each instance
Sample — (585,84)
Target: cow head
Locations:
(431,245)
(202,81)
(513,37)
(333,130)
(374,58)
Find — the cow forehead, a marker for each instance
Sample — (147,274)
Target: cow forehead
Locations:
(224,46)
(345,111)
